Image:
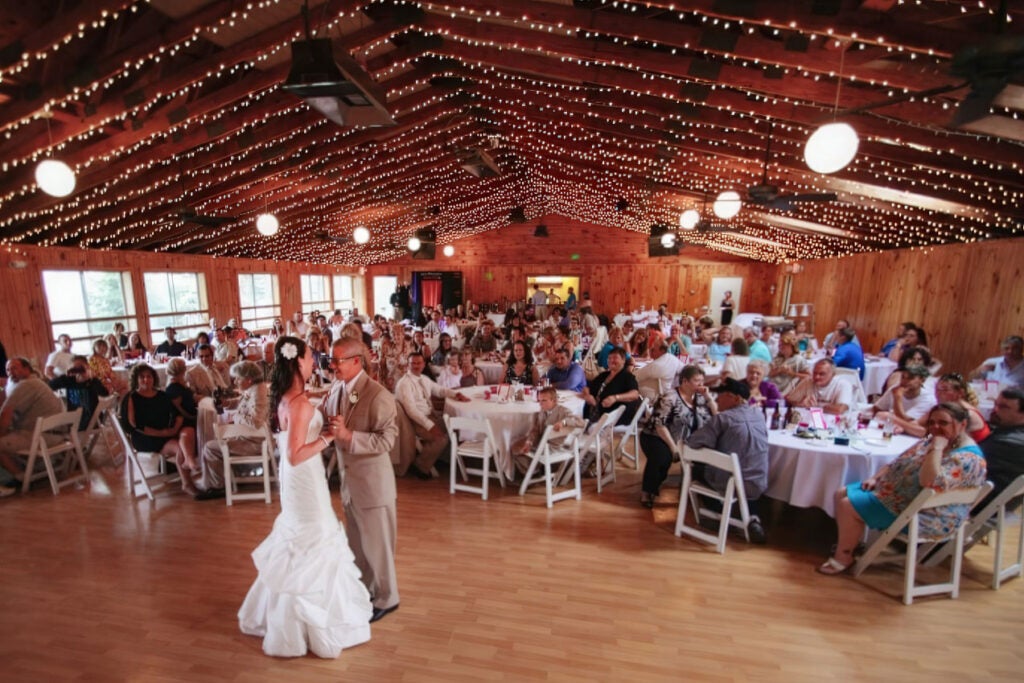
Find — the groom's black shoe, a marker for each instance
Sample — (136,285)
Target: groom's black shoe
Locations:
(381,612)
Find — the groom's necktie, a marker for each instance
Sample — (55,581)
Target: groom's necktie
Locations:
(340,409)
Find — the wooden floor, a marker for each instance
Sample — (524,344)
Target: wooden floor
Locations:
(96,587)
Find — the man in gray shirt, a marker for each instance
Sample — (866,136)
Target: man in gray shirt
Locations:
(737,428)
(28,398)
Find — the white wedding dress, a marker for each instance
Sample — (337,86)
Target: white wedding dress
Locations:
(308,595)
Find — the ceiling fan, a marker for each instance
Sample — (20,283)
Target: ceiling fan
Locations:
(188,214)
(768,195)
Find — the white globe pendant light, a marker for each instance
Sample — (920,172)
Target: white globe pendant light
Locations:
(831,148)
(689,219)
(267,224)
(727,204)
(414,244)
(55,178)
(449,250)
(668,240)
(360,235)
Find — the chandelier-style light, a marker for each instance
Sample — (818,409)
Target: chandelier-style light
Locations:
(448,250)
(414,243)
(267,224)
(360,235)
(727,204)
(689,219)
(834,145)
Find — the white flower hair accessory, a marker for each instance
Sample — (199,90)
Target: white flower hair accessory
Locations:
(289,351)
(353,397)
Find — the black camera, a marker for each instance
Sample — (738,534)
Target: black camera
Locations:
(325,362)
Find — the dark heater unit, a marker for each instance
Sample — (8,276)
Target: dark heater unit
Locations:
(336,87)
(656,247)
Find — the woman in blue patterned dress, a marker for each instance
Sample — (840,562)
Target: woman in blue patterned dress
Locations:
(947,459)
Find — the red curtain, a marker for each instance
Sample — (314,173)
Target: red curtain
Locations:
(431,291)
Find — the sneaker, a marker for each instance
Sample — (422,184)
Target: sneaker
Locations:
(7,491)
(756,532)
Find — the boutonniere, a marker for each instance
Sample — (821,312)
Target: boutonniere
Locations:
(353,397)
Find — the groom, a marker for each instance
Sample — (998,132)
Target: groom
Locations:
(361,417)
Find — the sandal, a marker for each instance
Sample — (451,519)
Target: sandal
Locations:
(832,567)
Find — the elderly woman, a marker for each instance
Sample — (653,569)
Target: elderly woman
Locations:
(154,425)
(762,392)
(674,417)
(947,459)
(520,367)
(789,367)
(253,412)
(99,366)
(614,387)
(721,346)
(472,376)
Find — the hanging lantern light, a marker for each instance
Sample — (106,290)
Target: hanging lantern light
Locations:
(414,243)
(448,250)
(831,148)
(55,178)
(689,219)
(727,204)
(267,224)
(360,235)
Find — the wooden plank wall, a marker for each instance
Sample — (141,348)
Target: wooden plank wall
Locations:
(965,296)
(26,323)
(612,265)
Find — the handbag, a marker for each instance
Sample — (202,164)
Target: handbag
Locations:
(590,366)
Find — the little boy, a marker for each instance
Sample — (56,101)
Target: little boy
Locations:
(551,415)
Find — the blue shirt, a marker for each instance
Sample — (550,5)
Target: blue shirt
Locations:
(717,352)
(570,302)
(760,351)
(890,345)
(602,355)
(850,355)
(571,379)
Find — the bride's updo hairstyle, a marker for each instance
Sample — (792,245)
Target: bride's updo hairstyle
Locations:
(288,351)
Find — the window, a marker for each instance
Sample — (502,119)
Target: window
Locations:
(260,302)
(176,300)
(316,294)
(343,297)
(86,304)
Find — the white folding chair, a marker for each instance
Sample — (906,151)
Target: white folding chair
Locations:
(224,434)
(98,426)
(564,454)
(632,432)
(991,518)
(55,435)
(909,519)
(592,449)
(136,474)
(691,491)
(851,377)
(477,442)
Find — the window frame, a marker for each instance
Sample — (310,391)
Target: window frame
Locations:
(184,330)
(249,316)
(80,344)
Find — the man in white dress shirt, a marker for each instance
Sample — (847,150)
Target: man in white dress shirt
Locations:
(205,378)
(227,349)
(414,391)
(823,389)
(659,375)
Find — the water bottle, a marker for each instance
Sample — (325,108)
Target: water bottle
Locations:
(888,428)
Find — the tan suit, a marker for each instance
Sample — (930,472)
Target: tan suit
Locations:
(368,482)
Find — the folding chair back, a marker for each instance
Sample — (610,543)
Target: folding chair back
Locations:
(631,432)
(691,492)
(593,445)
(991,518)
(103,413)
(472,438)
(852,377)
(136,474)
(548,452)
(909,519)
(224,434)
(55,435)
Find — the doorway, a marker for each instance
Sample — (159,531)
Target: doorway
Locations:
(555,287)
(383,287)
(719,286)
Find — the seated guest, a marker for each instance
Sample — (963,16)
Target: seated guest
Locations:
(616,340)
(654,335)
(758,349)
(1004,447)
(848,353)
(253,411)
(81,389)
(520,367)
(225,348)
(704,330)
(679,342)
(450,376)
(484,340)
(566,375)
(451,327)
(901,330)
(266,361)
(27,399)
(444,347)
(771,340)
(58,362)
(762,392)
(823,390)
(948,460)
(914,336)
(737,428)
(201,338)
(394,355)
(433,327)
(472,376)
(638,344)
(675,415)
(419,343)
(181,396)
(735,364)
(907,402)
(206,378)
(789,367)
(658,376)
(170,346)
(721,346)
(1005,369)
(614,387)
(414,391)
(804,339)
(114,354)
(135,348)
(551,414)
(834,338)
(120,336)
(100,368)
(153,424)
(914,355)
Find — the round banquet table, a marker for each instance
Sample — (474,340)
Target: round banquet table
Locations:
(876,371)
(807,472)
(494,371)
(510,420)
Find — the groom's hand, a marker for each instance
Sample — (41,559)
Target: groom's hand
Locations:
(338,429)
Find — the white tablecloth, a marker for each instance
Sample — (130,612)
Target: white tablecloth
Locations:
(510,420)
(497,318)
(494,371)
(807,472)
(876,371)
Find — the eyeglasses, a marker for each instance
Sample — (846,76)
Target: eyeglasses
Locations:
(338,361)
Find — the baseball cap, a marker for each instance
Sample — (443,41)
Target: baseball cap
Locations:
(733,386)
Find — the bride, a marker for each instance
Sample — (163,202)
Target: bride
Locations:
(308,595)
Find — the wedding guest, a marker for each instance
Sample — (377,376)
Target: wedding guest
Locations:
(848,354)
(949,459)
(616,340)
(679,341)
(789,367)
(135,349)
(450,376)
(122,338)
(414,392)
(565,374)
(658,376)
(762,391)
(27,399)
(170,346)
(201,339)
(833,338)
(907,402)
(551,414)
(100,368)
(1004,447)
(735,364)
(614,387)
(1007,369)
(444,347)
(823,389)
(758,349)
(520,367)
(951,388)
(58,362)
(914,336)
(721,346)
(901,330)
(472,376)
(81,389)
(114,354)
(914,355)
(206,378)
